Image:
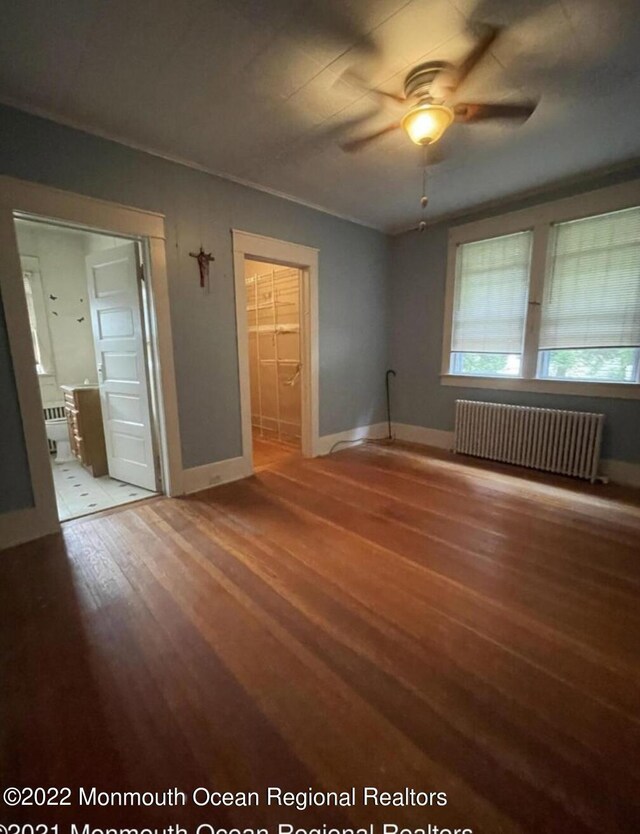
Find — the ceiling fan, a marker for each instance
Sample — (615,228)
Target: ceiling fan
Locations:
(430,89)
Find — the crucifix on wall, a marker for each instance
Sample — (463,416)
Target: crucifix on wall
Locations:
(204,259)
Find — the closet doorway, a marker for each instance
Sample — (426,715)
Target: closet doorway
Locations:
(273,305)
(290,423)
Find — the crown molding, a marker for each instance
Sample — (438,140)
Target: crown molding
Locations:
(586,179)
(470,211)
(77,124)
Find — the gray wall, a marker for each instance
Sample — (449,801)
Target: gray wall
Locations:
(200,208)
(418,276)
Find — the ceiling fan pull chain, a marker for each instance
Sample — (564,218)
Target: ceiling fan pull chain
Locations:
(425,160)
(424,200)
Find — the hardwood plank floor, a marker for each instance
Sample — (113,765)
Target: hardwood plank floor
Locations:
(268,452)
(379,617)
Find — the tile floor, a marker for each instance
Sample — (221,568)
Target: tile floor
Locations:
(78,493)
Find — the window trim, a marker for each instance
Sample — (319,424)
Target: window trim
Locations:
(539,219)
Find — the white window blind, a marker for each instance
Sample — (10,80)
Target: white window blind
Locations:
(592,287)
(491,294)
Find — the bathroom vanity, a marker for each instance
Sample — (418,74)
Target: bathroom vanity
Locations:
(86,434)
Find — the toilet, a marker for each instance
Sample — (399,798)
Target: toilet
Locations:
(58,431)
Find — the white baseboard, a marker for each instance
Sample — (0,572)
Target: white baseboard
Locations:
(425,437)
(376,431)
(621,472)
(618,471)
(213,474)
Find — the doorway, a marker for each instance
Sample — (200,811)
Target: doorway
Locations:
(89,324)
(276,285)
(34,513)
(273,323)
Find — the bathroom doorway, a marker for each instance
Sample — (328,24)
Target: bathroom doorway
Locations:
(89,320)
(273,304)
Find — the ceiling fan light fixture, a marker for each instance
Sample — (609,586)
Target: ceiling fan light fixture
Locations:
(425,122)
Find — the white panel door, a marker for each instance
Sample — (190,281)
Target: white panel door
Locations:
(114,296)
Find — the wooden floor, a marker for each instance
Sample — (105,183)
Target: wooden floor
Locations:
(268,452)
(375,618)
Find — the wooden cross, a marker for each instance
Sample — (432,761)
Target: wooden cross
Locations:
(204,259)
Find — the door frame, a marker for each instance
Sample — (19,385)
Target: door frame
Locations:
(100,216)
(305,258)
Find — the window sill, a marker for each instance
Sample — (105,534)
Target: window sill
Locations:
(613,390)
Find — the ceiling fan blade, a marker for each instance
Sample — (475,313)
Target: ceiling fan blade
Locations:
(470,113)
(358,144)
(335,23)
(392,96)
(475,56)
(319,139)
(351,77)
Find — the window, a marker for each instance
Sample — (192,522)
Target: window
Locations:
(591,307)
(490,305)
(601,364)
(553,302)
(38,322)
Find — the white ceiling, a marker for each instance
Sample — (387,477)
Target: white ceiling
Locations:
(256,89)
